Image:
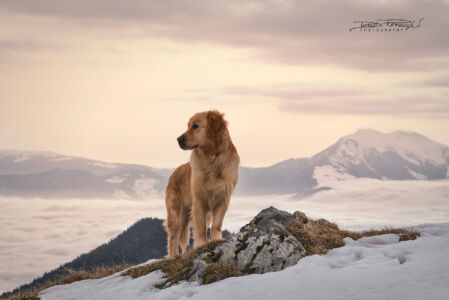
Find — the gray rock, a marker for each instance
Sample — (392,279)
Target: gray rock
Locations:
(301,217)
(274,214)
(199,266)
(263,245)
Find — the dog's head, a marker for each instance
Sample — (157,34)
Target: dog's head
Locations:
(204,129)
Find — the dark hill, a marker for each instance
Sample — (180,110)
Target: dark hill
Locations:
(144,240)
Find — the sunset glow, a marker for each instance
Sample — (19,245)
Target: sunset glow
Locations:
(119,84)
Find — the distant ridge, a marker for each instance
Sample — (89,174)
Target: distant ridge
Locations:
(366,153)
(399,155)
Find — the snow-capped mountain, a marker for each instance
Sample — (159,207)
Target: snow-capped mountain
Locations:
(26,162)
(366,153)
(47,174)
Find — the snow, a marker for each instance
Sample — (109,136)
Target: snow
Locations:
(347,152)
(103,164)
(378,267)
(116,179)
(327,173)
(62,158)
(111,287)
(417,175)
(21,156)
(411,146)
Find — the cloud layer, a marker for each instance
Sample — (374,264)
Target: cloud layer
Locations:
(38,235)
(349,99)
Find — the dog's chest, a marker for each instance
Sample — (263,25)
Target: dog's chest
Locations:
(205,174)
(208,173)
(213,175)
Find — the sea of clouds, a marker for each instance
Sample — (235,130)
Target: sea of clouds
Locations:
(38,235)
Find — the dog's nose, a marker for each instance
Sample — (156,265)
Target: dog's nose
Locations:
(181,141)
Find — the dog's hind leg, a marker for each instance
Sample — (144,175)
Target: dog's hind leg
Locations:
(172,242)
(185,230)
(172,224)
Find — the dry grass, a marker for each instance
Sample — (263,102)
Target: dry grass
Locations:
(174,269)
(73,276)
(26,295)
(219,271)
(320,236)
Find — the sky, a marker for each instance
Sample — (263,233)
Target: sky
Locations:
(118,80)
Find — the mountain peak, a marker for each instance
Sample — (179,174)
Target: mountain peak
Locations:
(396,155)
(405,142)
(367,133)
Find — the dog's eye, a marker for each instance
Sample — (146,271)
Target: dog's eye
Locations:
(195,126)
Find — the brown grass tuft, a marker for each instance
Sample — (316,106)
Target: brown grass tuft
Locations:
(174,269)
(73,276)
(219,271)
(320,236)
(30,294)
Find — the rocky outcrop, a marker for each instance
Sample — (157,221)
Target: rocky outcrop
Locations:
(263,245)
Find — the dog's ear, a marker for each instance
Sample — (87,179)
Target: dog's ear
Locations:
(215,123)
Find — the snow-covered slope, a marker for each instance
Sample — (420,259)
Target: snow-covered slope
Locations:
(410,146)
(378,267)
(369,153)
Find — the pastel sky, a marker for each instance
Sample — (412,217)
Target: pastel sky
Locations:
(117,80)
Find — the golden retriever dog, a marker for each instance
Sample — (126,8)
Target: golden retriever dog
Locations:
(199,191)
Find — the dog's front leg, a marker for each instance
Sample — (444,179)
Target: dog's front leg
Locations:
(199,210)
(218,216)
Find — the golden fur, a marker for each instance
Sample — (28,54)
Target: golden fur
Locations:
(199,191)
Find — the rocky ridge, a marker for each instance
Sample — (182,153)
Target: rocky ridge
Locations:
(272,241)
(263,245)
